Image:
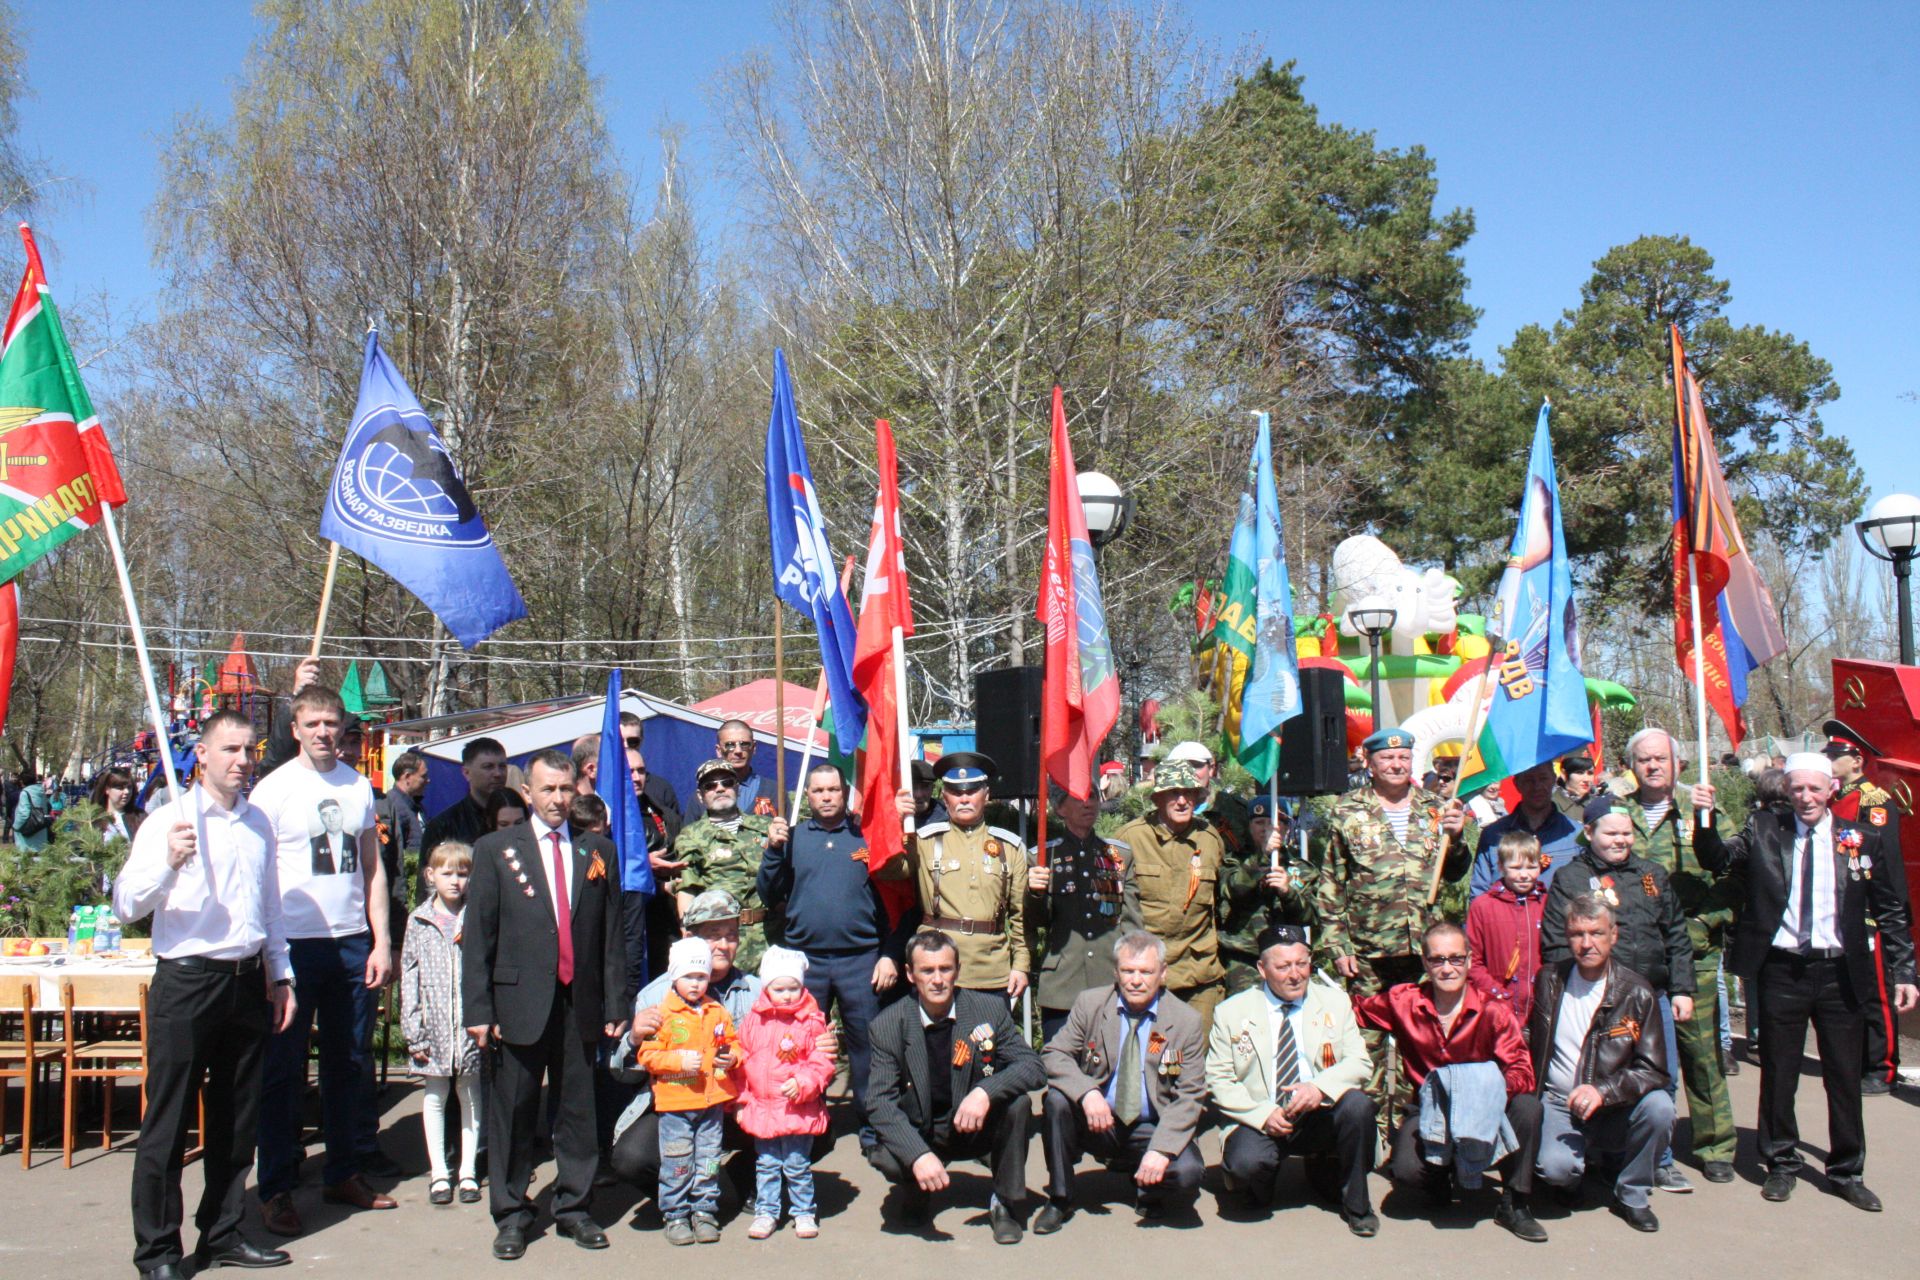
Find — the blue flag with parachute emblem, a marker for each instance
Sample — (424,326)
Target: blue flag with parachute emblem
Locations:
(803,573)
(398,500)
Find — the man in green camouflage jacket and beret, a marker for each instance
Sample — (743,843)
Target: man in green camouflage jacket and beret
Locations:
(723,851)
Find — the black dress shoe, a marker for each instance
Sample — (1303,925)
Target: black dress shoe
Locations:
(1717,1170)
(1640,1217)
(509,1243)
(165,1271)
(241,1253)
(1855,1193)
(1051,1218)
(583,1233)
(1006,1227)
(1777,1187)
(1364,1225)
(1513,1215)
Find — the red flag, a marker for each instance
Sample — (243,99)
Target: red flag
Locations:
(884,609)
(1080,697)
(9,640)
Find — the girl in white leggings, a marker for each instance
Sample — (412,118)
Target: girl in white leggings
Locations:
(444,1056)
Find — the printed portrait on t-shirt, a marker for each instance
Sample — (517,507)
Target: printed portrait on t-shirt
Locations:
(335,850)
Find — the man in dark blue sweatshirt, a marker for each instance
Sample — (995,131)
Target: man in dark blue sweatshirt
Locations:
(818,870)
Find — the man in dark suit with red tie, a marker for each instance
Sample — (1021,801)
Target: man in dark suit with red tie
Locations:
(1811,882)
(543,978)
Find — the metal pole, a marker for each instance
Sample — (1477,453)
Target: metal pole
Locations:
(1902,576)
(1373,672)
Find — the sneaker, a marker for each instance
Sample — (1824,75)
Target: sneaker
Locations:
(705,1229)
(1874,1086)
(680,1231)
(1671,1180)
(805,1227)
(762,1227)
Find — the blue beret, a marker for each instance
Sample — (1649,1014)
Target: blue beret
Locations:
(1388,740)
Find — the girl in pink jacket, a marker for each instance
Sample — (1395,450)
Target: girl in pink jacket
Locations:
(782,1104)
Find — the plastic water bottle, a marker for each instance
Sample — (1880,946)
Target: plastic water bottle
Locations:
(73,930)
(110,933)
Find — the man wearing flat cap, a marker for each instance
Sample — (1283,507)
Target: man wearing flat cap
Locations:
(971,879)
(1857,800)
(1178,864)
(1811,882)
(723,850)
(1379,846)
(1285,1066)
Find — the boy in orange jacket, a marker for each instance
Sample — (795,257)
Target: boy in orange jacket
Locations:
(690,1059)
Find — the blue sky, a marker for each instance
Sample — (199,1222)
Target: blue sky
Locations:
(1798,128)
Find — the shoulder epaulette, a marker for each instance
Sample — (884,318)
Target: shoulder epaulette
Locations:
(1007,835)
(933,829)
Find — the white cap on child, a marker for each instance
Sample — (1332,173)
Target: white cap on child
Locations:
(689,955)
(783,962)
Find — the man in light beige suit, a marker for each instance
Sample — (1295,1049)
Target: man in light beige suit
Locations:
(1285,1064)
(1126,1082)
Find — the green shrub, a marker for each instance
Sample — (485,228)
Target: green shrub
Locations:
(40,888)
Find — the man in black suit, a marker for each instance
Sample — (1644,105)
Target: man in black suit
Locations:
(1811,881)
(949,1081)
(543,978)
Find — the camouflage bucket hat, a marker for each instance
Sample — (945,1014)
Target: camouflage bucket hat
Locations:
(1175,775)
(711,907)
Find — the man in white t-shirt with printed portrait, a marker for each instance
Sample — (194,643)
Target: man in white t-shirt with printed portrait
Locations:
(334,909)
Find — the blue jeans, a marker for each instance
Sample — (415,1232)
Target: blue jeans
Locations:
(1673,1068)
(690,1163)
(788,1158)
(1634,1134)
(848,978)
(329,985)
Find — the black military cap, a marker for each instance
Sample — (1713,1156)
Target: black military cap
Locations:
(1280,935)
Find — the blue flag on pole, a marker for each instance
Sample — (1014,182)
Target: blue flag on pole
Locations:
(1539,711)
(1272,692)
(626,825)
(398,500)
(803,570)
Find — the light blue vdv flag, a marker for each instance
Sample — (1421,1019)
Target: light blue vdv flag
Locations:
(398,500)
(1272,693)
(626,825)
(1539,711)
(803,568)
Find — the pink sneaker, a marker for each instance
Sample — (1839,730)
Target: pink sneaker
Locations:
(805,1227)
(762,1227)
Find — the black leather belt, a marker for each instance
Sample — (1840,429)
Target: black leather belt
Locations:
(1809,953)
(206,964)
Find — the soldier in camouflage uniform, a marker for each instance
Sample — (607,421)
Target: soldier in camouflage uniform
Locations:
(1372,896)
(1663,834)
(1272,886)
(723,851)
(1178,863)
(971,879)
(1858,800)
(1084,893)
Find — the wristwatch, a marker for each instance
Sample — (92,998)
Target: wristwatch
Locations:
(284,982)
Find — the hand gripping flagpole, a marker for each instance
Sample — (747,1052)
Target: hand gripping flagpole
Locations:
(165,740)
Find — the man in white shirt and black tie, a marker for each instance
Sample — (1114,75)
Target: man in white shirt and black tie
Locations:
(1811,882)
(204,868)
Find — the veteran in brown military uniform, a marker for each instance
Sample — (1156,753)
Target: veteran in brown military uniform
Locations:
(971,879)
(1178,861)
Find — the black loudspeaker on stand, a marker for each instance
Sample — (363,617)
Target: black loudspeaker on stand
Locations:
(1006,721)
(1313,744)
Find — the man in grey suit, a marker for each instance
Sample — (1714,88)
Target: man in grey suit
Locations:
(949,1081)
(1285,1064)
(1126,1081)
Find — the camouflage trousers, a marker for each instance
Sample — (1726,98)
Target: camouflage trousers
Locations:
(1376,975)
(1709,1108)
(1241,973)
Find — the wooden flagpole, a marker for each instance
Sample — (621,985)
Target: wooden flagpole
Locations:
(326,601)
(819,709)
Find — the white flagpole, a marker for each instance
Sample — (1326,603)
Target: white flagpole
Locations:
(164,741)
(1703,816)
(900,709)
(1273,802)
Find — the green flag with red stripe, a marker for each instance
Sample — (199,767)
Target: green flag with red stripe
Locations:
(55,466)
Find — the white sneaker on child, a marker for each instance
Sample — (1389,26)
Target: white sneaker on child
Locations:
(805,1227)
(762,1227)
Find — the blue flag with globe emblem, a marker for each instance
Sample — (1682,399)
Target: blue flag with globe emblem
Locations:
(398,500)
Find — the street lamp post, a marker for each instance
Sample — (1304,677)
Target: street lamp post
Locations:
(1891,531)
(1107,509)
(1374,621)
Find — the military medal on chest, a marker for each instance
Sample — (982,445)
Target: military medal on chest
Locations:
(1859,866)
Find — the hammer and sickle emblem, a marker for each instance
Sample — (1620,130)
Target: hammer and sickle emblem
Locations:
(1855,690)
(1903,793)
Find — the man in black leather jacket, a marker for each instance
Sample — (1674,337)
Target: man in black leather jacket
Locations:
(1600,1053)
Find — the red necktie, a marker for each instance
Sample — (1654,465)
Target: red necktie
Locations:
(565,914)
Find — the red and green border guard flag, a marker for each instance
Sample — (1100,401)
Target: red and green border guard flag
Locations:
(55,466)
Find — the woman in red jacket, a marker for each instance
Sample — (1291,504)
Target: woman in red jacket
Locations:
(783,1105)
(1503,927)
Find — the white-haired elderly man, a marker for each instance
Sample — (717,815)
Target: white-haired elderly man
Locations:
(1664,833)
(1811,880)
(1126,1081)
